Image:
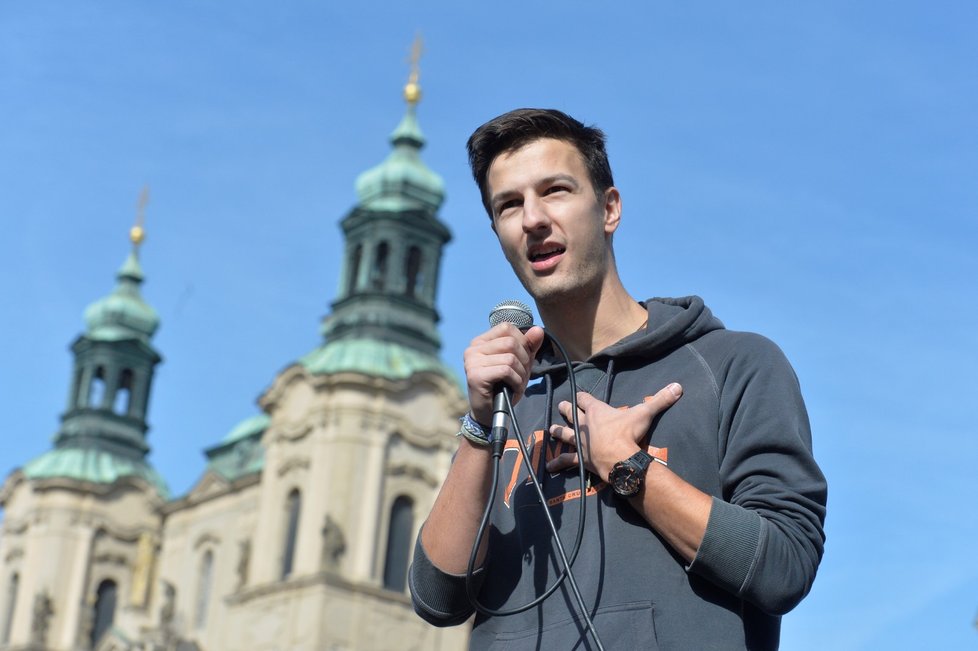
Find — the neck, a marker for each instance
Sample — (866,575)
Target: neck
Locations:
(589,323)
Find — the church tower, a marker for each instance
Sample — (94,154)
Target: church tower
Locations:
(103,430)
(300,532)
(81,521)
(394,241)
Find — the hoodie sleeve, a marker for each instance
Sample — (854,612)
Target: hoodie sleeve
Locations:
(764,539)
(439,598)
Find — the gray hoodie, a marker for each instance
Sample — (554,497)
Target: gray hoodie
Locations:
(739,433)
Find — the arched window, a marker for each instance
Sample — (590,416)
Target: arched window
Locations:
(379,274)
(399,544)
(105,598)
(412,269)
(293,504)
(204,580)
(96,388)
(8,620)
(123,393)
(354,270)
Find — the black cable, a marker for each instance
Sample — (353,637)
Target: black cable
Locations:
(566,572)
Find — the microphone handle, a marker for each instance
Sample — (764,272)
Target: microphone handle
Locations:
(500,419)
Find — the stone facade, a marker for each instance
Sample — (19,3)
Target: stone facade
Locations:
(298,534)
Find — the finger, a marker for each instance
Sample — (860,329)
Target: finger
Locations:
(663,399)
(504,329)
(563,434)
(565,409)
(512,345)
(562,462)
(475,362)
(586,400)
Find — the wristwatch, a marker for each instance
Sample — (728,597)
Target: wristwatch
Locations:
(626,476)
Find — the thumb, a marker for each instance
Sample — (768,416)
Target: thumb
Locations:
(534,337)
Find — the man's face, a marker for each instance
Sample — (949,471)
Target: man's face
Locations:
(554,231)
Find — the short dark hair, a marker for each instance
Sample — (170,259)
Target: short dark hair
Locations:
(511,131)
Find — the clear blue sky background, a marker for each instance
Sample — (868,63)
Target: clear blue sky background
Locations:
(809,170)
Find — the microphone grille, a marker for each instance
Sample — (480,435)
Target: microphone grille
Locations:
(514,312)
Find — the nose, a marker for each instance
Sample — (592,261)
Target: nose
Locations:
(535,216)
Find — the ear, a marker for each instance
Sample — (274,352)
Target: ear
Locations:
(612,210)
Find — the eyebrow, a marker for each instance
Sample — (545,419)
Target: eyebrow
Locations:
(508,194)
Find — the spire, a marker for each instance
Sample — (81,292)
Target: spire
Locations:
(403,181)
(123,313)
(408,132)
(384,321)
(103,431)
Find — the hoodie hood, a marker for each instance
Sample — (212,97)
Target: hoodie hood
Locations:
(673,322)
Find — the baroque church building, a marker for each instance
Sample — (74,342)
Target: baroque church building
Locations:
(298,535)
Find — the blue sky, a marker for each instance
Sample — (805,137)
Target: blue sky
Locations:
(808,170)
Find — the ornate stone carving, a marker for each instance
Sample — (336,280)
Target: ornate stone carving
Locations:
(412,472)
(111,558)
(334,545)
(291,431)
(206,538)
(169,607)
(142,570)
(13,555)
(291,464)
(41,618)
(244,559)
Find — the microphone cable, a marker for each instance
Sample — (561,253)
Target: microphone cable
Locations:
(498,446)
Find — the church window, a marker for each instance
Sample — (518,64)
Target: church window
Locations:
(123,393)
(96,390)
(104,610)
(204,580)
(399,544)
(8,620)
(354,270)
(379,274)
(412,269)
(293,505)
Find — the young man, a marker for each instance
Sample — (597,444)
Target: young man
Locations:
(705,506)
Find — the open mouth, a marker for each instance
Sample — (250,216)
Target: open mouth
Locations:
(544,254)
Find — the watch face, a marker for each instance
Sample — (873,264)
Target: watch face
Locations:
(625,479)
(626,476)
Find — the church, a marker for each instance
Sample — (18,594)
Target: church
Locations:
(298,534)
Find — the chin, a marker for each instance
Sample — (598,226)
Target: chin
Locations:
(559,291)
(550,293)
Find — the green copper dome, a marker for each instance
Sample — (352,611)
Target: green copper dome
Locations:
(123,314)
(248,427)
(240,452)
(373,357)
(402,181)
(95,465)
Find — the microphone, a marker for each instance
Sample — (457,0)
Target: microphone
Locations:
(519,315)
(515,312)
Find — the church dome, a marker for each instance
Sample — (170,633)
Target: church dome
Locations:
(122,314)
(402,181)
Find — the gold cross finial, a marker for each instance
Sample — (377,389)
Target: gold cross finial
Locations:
(136,233)
(412,90)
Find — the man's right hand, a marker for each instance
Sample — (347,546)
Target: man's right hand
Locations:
(503,355)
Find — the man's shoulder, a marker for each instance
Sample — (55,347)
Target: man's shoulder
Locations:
(723,348)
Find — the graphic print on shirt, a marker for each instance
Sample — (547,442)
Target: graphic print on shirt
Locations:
(535,444)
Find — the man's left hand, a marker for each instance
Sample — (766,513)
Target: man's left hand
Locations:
(608,435)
